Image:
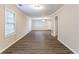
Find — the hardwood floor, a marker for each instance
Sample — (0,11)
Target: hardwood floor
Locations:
(38,42)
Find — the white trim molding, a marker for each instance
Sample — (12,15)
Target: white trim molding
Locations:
(68,46)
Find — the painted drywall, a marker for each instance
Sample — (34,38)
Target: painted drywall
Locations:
(68,29)
(45,26)
(23,26)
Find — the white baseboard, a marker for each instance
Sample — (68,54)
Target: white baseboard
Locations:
(13,42)
(68,47)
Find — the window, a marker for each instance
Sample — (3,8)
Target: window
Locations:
(39,23)
(9,22)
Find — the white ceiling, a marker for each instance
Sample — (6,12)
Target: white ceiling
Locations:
(46,11)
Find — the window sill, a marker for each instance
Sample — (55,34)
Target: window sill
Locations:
(10,35)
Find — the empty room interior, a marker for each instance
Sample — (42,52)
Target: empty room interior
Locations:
(39,28)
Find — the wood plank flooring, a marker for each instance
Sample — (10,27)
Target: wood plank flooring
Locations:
(38,42)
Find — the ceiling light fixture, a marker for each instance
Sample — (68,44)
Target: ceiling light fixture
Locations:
(20,4)
(37,7)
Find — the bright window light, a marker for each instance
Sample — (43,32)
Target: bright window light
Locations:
(9,22)
(39,23)
(43,20)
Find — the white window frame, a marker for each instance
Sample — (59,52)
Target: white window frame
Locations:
(13,33)
(39,24)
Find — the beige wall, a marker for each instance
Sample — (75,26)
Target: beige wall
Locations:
(68,29)
(22,26)
(45,27)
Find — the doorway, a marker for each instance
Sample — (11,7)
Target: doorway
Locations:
(56,25)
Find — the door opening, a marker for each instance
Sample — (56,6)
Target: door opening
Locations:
(56,25)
